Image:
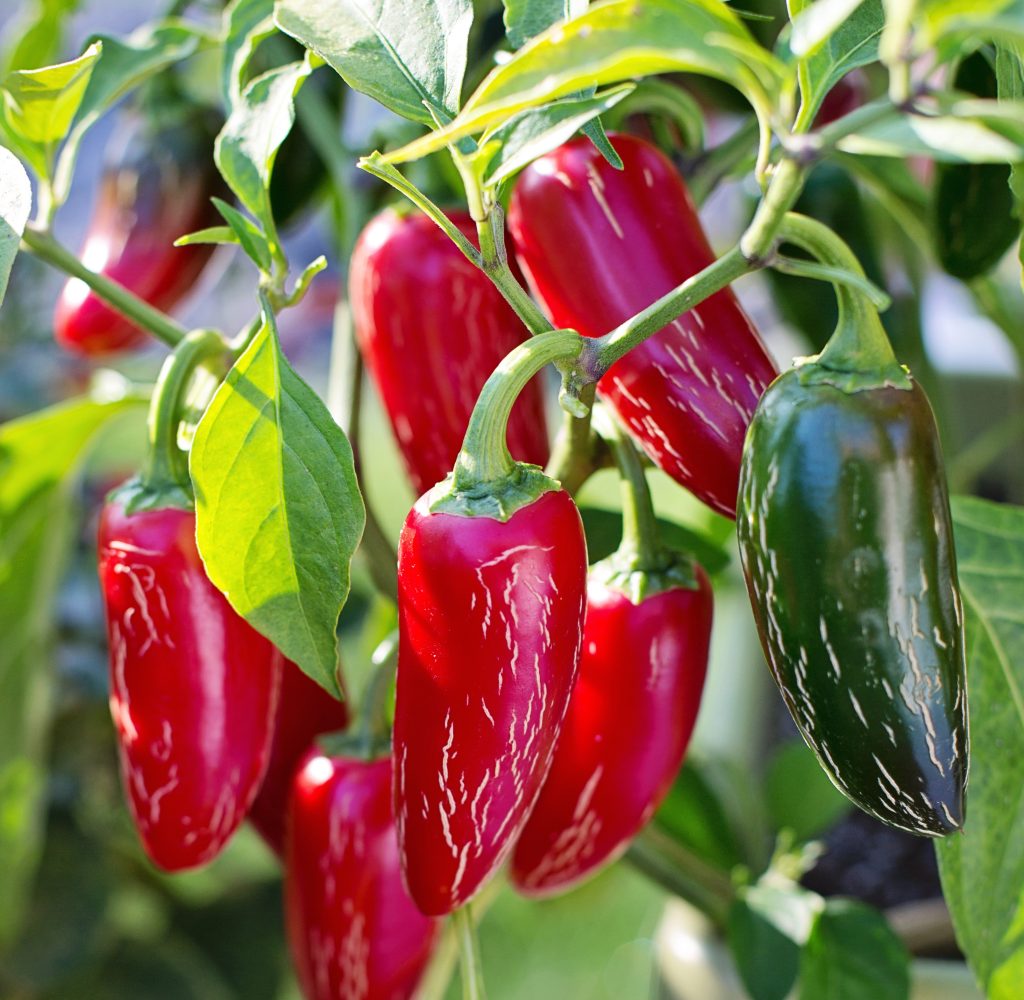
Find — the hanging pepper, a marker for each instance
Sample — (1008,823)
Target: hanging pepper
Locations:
(598,245)
(353,931)
(432,327)
(645,652)
(193,687)
(847,546)
(157,188)
(491,578)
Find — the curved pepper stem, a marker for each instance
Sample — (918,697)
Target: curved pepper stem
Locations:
(859,346)
(485,458)
(165,472)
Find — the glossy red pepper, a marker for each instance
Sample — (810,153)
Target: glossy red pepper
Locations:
(304,711)
(158,189)
(630,719)
(432,328)
(353,931)
(490,624)
(599,245)
(193,687)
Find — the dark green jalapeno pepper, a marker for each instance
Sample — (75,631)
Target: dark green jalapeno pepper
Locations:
(847,547)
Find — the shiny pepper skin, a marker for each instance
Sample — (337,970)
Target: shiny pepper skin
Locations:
(630,719)
(432,327)
(354,933)
(490,625)
(847,546)
(304,711)
(598,245)
(159,189)
(193,687)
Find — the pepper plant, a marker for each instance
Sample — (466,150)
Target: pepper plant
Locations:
(503,700)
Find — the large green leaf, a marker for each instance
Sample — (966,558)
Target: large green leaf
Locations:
(853,954)
(278,509)
(1010,84)
(41,35)
(615,41)
(258,124)
(39,458)
(410,55)
(983,868)
(15,205)
(246,23)
(526,18)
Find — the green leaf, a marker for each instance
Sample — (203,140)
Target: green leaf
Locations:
(1010,86)
(976,131)
(615,41)
(947,25)
(799,795)
(40,104)
(15,205)
(214,234)
(410,55)
(258,124)
(278,509)
(246,24)
(853,954)
(982,869)
(123,65)
(252,239)
(826,59)
(41,38)
(767,925)
(526,18)
(533,133)
(40,457)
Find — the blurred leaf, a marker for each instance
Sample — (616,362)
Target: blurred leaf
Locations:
(767,926)
(409,56)
(40,104)
(122,66)
(215,234)
(526,18)
(849,42)
(40,456)
(278,509)
(853,954)
(949,25)
(15,206)
(40,39)
(610,43)
(258,124)
(800,796)
(246,24)
(982,869)
(972,132)
(531,134)
(693,815)
(604,532)
(1010,86)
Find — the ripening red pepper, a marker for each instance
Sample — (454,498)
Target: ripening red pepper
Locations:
(353,931)
(432,327)
(157,189)
(629,722)
(490,623)
(599,245)
(304,711)
(193,687)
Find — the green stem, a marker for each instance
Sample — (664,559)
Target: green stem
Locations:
(758,241)
(374,729)
(657,97)
(469,952)
(485,457)
(166,464)
(161,326)
(639,545)
(576,454)
(859,343)
(682,873)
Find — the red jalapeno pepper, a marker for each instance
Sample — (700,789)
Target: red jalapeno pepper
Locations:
(157,189)
(599,245)
(353,931)
(432,328)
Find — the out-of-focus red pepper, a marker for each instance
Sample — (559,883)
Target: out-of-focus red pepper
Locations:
(599,245)
(432,328)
